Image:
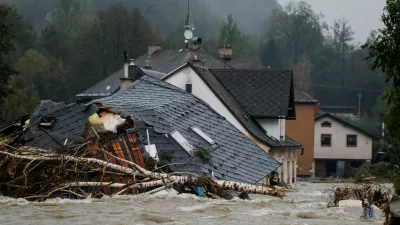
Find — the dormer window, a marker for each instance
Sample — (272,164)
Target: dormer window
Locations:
(203,135)
(326,124)
(182,141)
(47,122)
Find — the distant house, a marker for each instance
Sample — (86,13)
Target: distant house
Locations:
(302,130)
(166,121)
(257,102)
(339,145)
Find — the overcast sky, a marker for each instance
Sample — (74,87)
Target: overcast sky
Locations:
(363,15)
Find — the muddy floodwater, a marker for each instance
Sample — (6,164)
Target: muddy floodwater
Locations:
(305,205)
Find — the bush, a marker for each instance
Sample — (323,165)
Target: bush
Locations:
(382,170)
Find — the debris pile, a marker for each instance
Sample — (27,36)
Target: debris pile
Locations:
(369,194)
(38,174)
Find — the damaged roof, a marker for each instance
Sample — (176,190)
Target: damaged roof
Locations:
(68,127)
(111,84)
(168,108)
(238,110)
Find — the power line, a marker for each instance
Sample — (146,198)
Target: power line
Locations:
(341,87)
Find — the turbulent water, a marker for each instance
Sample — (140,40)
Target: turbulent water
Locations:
(305,205)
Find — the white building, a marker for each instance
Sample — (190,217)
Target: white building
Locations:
(339,145)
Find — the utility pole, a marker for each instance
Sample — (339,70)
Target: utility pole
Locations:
(359,104)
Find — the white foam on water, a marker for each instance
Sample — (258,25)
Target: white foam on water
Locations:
(13,201)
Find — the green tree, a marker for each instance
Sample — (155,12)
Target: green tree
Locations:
(229,35)
(65,24)
(99,50)
(297,29)
(7,34)
(385,51)
(342,34)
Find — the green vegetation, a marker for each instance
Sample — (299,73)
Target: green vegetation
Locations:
(68,45)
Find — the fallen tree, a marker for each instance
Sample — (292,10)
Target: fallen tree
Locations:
(35,173)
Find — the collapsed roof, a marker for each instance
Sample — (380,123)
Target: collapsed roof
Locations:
(166,111)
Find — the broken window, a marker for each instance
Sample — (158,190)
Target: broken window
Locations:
(203,135)
(326,124)
(182,141)
(326,140)
(351,140)
(47,122)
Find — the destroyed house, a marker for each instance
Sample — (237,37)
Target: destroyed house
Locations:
(165,122)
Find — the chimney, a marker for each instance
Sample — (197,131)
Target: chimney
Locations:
(153,48)
(225,53)
(129,68)
(196,43)
(124,82)
(147,66)
(132,69)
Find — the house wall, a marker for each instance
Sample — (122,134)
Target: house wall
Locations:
(201,90)
(288,159)
(271,126)
(302,130)
(338,148)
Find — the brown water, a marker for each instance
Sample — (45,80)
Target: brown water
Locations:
(306,205)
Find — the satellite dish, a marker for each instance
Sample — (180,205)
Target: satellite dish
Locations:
(188,34)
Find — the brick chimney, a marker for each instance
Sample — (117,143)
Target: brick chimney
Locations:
(153,48)
(225,53)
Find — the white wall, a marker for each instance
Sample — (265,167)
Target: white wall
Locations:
(202,91)
(271,126)
(274,127)
(288,159)
(338,148)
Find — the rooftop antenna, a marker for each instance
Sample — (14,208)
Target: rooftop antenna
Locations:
(188,31)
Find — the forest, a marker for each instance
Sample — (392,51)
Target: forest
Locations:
(61,47)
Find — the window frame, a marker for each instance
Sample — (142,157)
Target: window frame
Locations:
(347,141)
(182,141)
(330,142)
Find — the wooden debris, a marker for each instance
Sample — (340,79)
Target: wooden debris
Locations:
(34,173)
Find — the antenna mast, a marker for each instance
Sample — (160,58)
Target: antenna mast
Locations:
(187,25)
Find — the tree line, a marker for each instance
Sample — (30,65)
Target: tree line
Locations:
(76,47)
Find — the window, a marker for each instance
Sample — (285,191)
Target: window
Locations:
(326,124)
(351,140)
(326,140)
(182,141)
(203,135)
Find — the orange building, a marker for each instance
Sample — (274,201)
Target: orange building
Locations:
(302,130)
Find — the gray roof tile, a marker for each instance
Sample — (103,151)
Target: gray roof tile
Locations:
(164,102)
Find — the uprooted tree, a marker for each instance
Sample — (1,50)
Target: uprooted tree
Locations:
(35,173)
